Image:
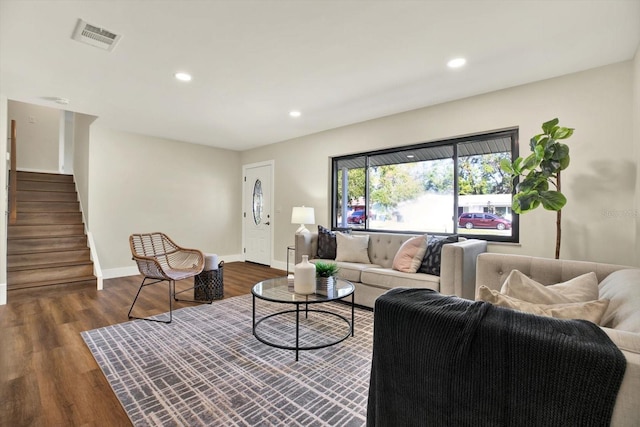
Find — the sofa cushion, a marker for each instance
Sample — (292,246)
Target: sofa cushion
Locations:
(622,289)
(352,271)
(579,289)
(592,311)
(352,248)
(387,278)
(433,255)
(410,254)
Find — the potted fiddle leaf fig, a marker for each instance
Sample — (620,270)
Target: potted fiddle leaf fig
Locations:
(540,174)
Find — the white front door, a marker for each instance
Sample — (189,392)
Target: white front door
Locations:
(257,215)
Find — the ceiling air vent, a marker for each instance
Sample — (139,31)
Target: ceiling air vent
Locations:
(95,36)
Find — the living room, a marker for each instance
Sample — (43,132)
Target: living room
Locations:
(130,182)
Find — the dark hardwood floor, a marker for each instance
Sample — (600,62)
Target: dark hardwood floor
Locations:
(48,377)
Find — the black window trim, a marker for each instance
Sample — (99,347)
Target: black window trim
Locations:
(512,132)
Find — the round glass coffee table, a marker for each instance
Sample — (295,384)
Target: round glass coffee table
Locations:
(280,290)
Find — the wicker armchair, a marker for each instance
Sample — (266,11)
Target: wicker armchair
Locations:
(160,259)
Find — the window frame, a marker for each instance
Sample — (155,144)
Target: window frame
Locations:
(512,133)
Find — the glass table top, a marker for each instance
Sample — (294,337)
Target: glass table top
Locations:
(280,289)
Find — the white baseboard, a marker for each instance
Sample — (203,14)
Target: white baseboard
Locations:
(3,293)
(231,258)
(280,265)
(112,273)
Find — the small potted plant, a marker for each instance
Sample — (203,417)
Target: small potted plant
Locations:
(325,271)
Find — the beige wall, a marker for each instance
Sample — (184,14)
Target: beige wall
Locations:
(600,183)
(38,142)
(141,183)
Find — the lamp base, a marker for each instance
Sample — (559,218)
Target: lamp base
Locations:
(302,230)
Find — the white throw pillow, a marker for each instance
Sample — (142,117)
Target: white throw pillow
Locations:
(409,256)
(622,289)
(352,248)
(579,289)
(585,310)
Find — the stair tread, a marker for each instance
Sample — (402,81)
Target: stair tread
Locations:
(49,265)
(44,251)
(46,236)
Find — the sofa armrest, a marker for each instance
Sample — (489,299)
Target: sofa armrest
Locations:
(306,244)
(458,267)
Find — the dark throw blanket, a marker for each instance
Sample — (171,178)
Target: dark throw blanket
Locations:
(446,361)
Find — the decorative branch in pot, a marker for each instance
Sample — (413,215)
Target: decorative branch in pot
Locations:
(541,174)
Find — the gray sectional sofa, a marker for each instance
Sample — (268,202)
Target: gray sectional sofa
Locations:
(457,270)
(621,321)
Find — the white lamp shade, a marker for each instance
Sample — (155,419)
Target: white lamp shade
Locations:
(302,215)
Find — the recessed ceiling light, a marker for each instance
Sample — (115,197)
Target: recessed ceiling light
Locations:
(295,113)
(183,77)
(456,63)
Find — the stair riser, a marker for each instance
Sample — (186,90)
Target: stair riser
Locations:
(45,186)
(37,176)
(77,281)
(47,244)
(49,274)
(46,196)
(20,231)
(48,206)
(79,255)
(26,218)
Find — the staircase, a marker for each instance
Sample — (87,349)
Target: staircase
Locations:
(47,244)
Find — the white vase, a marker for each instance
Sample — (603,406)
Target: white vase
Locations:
(304,277)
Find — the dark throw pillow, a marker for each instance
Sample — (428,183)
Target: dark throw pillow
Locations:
(326,243)
(431,261)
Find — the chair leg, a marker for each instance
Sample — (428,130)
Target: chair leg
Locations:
(171,295)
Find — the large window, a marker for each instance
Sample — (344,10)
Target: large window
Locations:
(452,186)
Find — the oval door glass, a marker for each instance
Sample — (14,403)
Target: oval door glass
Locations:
(257,202)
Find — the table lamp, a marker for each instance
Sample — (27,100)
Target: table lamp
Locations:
(302,215)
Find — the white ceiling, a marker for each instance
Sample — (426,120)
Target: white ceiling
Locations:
(339,62)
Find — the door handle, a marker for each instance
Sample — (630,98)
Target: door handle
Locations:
(267,223)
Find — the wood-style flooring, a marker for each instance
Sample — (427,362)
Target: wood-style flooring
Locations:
(48,376)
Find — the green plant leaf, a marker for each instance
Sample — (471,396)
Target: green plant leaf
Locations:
(552,200)
(531,162)
(550,167)
(540,151)
(517,165)
(564,162)
(507,167)
(560,151)
(533,182)
(525,202)
(562,133)
(547,127)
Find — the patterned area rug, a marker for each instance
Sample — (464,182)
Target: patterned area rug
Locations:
(207,368)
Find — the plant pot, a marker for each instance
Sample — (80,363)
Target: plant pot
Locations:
(324,283)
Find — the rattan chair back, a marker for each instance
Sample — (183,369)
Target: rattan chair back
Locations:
(159,257)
